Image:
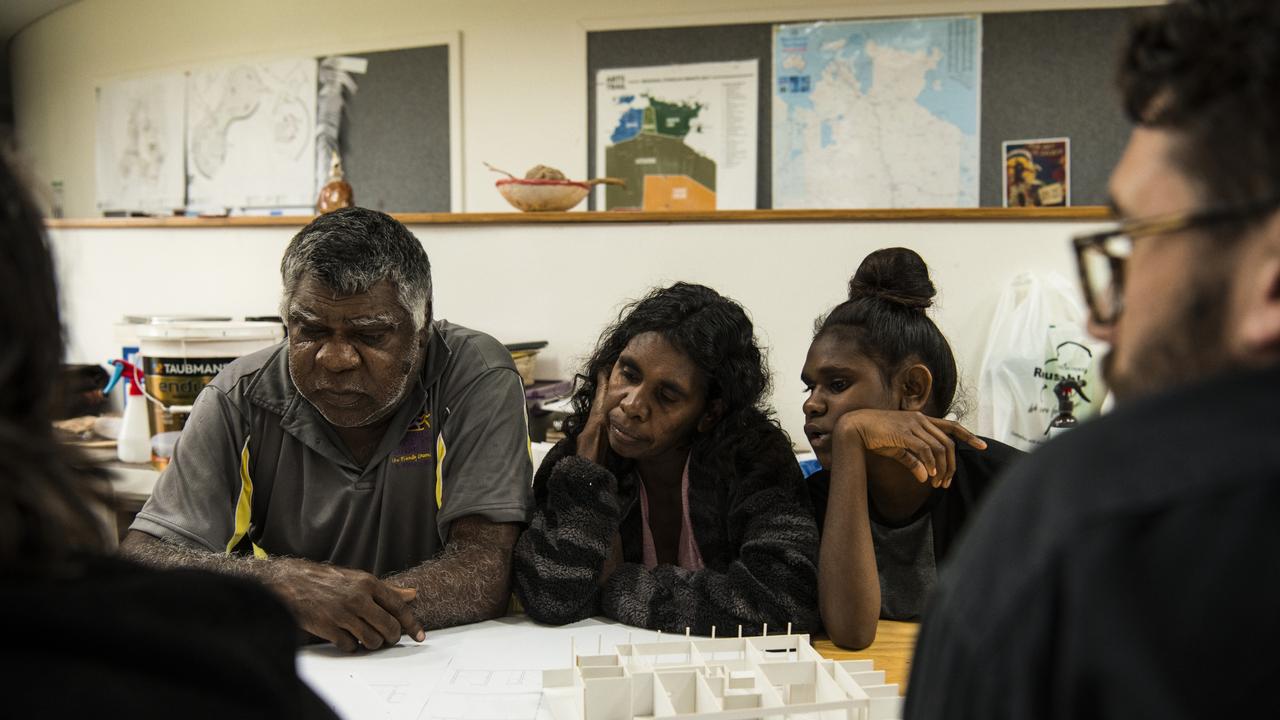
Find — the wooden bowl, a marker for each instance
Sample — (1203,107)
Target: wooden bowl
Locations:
(542,195)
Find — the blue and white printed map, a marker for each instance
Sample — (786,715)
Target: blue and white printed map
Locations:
(877,114)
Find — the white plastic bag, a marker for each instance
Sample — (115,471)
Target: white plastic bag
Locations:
(1041,372)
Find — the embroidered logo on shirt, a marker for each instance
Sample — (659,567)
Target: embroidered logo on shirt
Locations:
(415,446)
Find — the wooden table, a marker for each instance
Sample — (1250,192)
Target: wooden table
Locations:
(891,651)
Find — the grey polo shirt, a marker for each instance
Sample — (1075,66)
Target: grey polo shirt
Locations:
(258,470)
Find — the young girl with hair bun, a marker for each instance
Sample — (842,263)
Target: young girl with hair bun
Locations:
(895,488)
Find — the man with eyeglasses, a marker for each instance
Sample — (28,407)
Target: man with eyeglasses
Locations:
(1131,568)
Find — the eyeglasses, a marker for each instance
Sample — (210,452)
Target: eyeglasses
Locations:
(1101,256)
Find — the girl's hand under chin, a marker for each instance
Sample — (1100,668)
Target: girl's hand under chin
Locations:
(922,444)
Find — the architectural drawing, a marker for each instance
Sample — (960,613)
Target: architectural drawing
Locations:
(481,706)
(251,129)
(491,681)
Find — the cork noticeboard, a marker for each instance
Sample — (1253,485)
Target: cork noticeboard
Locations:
(396,131)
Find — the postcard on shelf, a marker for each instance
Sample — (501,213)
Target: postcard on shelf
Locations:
(1037,173)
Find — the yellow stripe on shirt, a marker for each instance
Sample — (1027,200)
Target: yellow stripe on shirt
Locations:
(244,505)
(528,441)
(440,450)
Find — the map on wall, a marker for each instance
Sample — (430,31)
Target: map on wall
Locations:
(877,114)
(251,135)
(683,137)
(139,144)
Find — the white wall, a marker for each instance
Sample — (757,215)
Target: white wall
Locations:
(524,102)
(564,283)
(523,63)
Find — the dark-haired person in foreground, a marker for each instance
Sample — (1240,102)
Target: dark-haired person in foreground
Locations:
(373,469)
(87,634)
(1129,568)
(675,501)
(896,488)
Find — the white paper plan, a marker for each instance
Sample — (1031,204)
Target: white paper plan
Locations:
(486,671)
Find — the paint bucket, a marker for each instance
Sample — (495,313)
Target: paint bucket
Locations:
(180,358)
(126,332)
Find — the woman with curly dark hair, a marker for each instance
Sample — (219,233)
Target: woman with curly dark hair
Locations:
(675,501)
(87,633)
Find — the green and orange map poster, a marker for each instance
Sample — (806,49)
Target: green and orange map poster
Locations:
(682,136)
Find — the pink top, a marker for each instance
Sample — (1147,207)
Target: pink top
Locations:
(687,553)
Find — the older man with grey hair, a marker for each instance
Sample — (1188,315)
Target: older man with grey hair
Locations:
(373,469)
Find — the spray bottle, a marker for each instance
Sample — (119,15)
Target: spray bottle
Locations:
(134,443)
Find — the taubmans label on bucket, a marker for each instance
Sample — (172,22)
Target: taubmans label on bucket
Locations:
(177,381)
(188,368)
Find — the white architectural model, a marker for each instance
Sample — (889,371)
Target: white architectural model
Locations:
(722,679)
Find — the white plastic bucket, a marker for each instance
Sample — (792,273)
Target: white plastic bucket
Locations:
(180,358)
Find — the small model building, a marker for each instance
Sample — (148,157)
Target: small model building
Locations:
(724,679)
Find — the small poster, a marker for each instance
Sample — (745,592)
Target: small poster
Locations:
(1037,173)
(682,137)
(138,145)
(251,135)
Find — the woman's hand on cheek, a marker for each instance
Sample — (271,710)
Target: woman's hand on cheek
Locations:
(593,441)
(920,443)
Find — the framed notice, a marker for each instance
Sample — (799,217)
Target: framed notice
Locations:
(1037,173)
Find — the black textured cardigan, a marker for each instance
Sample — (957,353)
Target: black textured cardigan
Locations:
(753,525)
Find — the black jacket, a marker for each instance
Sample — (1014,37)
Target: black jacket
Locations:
(753,526)
(107,638)
(1126,569)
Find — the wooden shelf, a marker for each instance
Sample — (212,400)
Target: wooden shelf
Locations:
(569,218)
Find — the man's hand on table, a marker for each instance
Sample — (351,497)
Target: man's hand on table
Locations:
(349,608)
